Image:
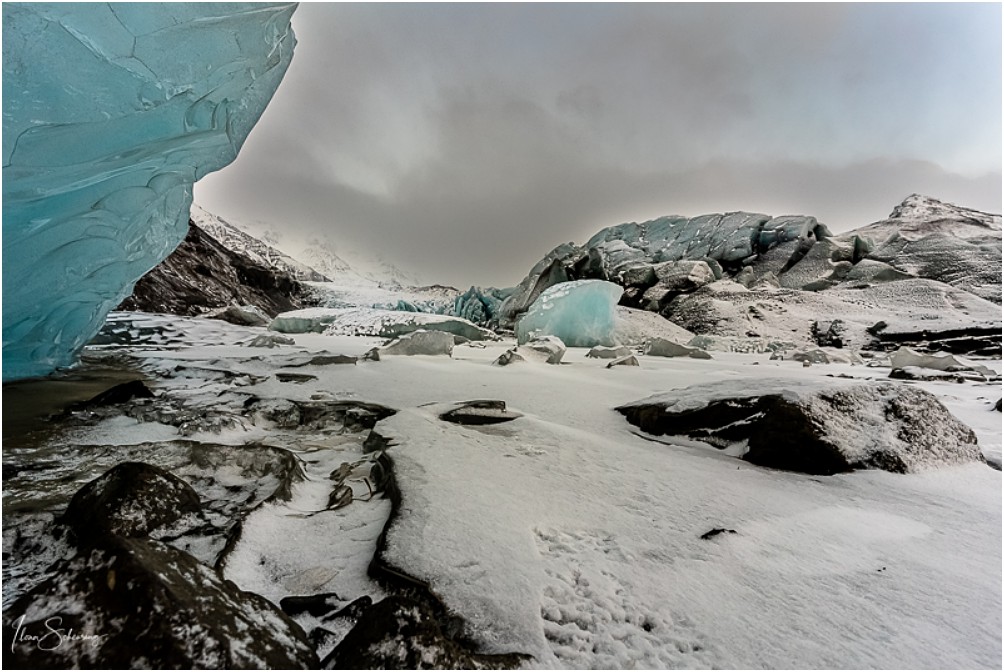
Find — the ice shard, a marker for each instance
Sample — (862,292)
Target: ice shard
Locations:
(110,113)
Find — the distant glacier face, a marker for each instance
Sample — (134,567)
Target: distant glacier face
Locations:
(110,113)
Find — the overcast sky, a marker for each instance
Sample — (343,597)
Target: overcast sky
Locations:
(465,141)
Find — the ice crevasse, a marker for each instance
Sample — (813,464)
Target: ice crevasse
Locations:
(110,113)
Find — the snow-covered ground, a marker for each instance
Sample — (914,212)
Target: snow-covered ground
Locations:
(568,535)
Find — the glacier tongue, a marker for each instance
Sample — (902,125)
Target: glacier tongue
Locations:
(110,113)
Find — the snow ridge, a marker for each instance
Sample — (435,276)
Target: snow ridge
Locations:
(236,240)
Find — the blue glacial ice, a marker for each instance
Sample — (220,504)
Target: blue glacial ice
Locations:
(582,313)
(110,113)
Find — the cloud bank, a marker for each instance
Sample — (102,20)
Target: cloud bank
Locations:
(467,140)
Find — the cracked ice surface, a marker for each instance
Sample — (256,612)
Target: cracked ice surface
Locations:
(110,113)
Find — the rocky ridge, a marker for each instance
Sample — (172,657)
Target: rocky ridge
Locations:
(259,251)
(929,276)
(202,275)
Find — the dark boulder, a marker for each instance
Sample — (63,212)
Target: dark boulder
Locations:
(134,603)
(121,393)
(131,499)
(815,428)
(401,633)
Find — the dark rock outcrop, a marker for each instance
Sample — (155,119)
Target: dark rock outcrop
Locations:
(137,603)
(815,428)
(201,274)
(131,499)
(402,633)
(119,599)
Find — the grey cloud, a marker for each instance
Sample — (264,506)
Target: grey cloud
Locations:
(468,140)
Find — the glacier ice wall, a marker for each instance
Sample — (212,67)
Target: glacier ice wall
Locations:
(110,113)
(582,313)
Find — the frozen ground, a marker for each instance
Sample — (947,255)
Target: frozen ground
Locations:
(568,535)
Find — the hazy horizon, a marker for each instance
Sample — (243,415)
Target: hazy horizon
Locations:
(465,141)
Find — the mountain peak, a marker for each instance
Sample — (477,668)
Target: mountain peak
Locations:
(920,207)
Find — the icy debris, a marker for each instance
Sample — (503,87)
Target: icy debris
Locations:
(627,360)
(749,345)
(419,342)
(270,340)
(580,313)
(814,427)
(905,357)
(604,352)
(820,356)
(546,349)
(121,110)
(661,347)
(374,322)
(247,315)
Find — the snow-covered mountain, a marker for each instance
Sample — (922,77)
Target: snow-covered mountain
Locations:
(338,262)
(327,260)
(927,238)
(235,238)
(918,216)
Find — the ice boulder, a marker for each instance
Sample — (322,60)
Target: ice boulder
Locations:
(905,357)
(604,352)
(582,313)
(110,113)
(628,360)
(546,349)
(661,347)
(419,342)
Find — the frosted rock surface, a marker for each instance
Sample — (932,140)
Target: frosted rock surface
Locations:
(814,427)
(581,313)
(111,113)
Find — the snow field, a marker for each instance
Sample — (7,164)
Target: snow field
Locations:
(566,535)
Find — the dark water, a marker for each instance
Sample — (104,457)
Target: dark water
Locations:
(29,405)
